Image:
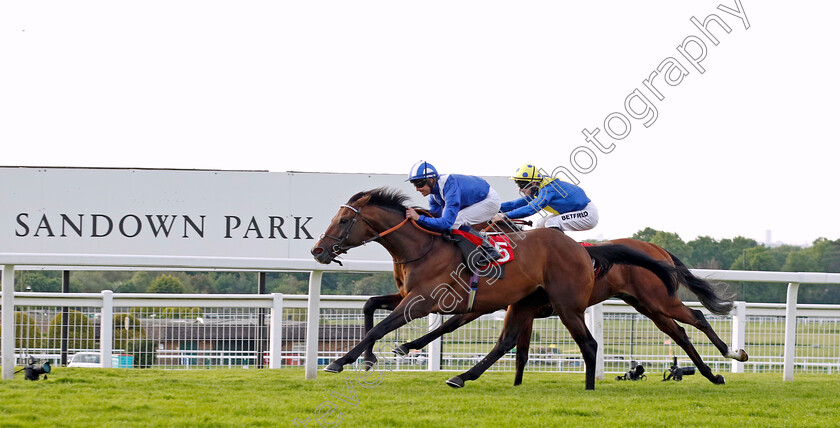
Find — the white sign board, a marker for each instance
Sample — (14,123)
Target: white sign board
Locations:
(241,214)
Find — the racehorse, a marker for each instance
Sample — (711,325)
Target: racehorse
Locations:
(638,287)
(430,276)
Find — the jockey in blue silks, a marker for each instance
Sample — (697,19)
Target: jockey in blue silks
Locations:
(566,205)
(457,201)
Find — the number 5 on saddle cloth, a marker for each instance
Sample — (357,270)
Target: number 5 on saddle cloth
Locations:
(470,246)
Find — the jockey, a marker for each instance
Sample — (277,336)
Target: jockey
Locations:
(456,201)
(567,205)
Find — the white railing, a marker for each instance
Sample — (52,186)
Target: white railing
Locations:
(617,326)
(447,354)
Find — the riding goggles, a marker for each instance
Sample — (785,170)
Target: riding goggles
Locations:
(523,183)
(419,183)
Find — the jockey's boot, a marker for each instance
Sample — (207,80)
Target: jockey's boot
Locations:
(487,253)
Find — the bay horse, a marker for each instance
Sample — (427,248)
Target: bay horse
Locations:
(430,276)
(637,287)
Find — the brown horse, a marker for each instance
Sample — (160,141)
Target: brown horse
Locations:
(637,287)
(431,277)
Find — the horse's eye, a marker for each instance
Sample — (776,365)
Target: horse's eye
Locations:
(342,221)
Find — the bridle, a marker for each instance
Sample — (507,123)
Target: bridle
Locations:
(340,248)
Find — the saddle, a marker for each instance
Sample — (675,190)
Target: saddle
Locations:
(470,247)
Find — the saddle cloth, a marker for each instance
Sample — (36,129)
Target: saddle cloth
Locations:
(498,240)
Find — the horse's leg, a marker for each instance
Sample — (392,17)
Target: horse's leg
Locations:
(677,333)
(569,301)
(388,302)
(409,309)
(672,329)
(698,320)
(523,345)
(576,325)
(452,324)
(523,342)
(519,315)
(676,310)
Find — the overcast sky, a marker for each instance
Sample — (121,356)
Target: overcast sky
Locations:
(475,87)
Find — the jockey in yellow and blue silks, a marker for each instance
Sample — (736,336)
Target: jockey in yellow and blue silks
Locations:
(567,205)
(456,201)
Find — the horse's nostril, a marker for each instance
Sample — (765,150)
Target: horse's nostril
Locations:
(317,250)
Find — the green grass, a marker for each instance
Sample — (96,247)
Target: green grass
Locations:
(239,397)
(762,338)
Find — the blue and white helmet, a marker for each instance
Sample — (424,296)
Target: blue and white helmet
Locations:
(422,170)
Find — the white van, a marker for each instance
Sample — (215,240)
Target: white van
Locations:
(85,359)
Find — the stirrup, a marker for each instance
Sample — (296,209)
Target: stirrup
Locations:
(490,251)
(488,254)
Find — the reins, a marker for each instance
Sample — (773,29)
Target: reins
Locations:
(338,248)
(510,221)
(387,231)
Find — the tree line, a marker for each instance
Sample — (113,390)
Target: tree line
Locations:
(742,253)
(704,252)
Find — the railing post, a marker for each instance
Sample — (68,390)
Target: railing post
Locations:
(8,331)
(433,363)
(65,317)
(275,335)
(106,328)
(739,331)
(260,322)
(594,318)
(790,330)
(313,316)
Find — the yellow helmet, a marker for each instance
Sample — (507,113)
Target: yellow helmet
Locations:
(528,173)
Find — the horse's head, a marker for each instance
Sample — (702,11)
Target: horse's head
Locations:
(358,222)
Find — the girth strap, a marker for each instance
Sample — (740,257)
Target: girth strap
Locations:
(473,290)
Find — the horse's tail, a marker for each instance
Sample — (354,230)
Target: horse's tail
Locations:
(702,289)
(607,255)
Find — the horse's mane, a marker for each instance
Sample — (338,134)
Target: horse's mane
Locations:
(383,197)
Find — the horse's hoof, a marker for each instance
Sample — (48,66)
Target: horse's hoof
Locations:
(743,355)
(369,362)
(334,368)
(455,382)
(719,380)
(401,350)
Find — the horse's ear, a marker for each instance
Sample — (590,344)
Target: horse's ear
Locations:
(363,201)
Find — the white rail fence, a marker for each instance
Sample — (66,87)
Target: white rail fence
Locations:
(214,331)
